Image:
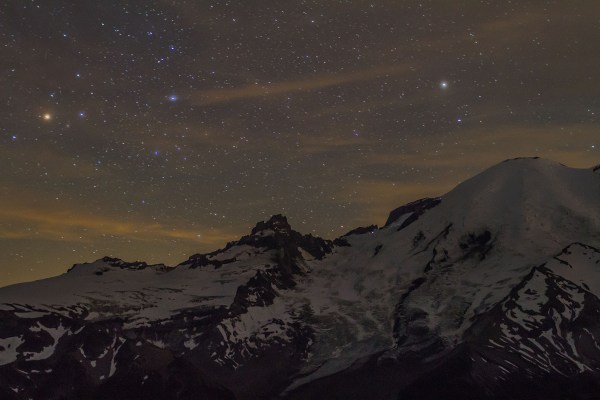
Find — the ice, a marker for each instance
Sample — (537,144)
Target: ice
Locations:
(468,253)
(113,361)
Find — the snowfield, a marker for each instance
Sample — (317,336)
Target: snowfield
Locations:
(508,262)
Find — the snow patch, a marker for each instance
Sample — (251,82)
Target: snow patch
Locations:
(8,349)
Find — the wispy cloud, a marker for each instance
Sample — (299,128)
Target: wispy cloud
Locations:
(216,96)
(28,222)
(454,162)
(477,148)
(376,198)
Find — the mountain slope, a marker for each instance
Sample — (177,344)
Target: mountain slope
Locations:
(495,285)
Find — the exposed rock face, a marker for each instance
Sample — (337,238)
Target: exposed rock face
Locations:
(111,262)
(275,234)
(492,291)
(411,212)
(362,230)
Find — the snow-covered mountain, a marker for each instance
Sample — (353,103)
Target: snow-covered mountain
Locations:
(490,291)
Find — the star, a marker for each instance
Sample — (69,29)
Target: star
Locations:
(183,97)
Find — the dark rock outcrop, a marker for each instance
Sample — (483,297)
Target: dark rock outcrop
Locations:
(415,209)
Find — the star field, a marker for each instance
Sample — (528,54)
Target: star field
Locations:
(157,129)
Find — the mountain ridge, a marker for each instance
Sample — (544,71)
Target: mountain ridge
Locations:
(498,277)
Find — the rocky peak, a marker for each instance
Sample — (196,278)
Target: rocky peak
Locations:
(276,233)
(277,223)
(475,299)
(117,262)
(273,234)
(104,264)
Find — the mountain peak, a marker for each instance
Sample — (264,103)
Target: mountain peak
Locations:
(494,285)
(277,223)
(103,264)
(117,262)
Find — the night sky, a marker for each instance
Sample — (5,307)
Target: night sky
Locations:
(153,130)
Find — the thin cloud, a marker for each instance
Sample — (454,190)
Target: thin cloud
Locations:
(478,149)
(377,198)
(23,222)
(216,96)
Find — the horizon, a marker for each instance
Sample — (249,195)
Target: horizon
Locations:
(248,231)
(156,130)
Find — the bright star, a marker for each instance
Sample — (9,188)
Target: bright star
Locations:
(173,97)
(444,85)
(82,114)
